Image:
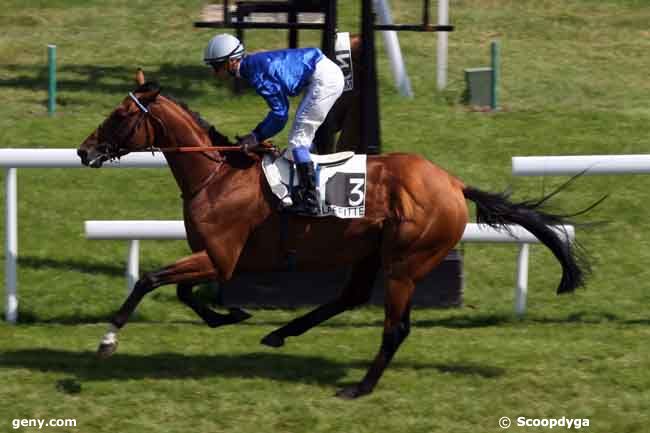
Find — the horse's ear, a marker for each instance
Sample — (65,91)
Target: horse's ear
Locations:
(149,96)
(139,77)
(147,91)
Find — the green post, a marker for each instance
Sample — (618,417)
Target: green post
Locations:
(495,55)
(51,95)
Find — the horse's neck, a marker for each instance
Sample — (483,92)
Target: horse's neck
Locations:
(192,169)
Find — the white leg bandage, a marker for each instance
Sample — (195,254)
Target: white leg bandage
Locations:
(111,335)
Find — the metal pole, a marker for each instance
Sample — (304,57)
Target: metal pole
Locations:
(393,50)
(325,142)
(51,94)
(292,18)
(226,12)
(329,29)
(521,292)
(11,245)
(441,56)
(425,13)
(370,134)
(132,265)
(496,75)
(239,32)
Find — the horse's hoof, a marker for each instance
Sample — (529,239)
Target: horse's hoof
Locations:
(273,340)
(238,315)
(351,392)
(105,350)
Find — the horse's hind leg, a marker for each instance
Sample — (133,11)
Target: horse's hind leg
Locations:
(400,285)
(209,316)
(356,292)
(397,326)
(192,269)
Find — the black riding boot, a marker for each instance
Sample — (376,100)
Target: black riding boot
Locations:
(305,195)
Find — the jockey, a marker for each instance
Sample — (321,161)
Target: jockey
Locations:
(276,75)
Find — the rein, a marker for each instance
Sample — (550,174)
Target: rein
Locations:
(144,113)
(184,149)
(191,149)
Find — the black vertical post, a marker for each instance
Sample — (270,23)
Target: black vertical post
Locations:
(325,141)
(239,85)
(370,134)
(329,32)
(425,14)
(292,18)
(226,12)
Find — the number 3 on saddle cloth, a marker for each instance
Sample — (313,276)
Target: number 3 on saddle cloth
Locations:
(340,180)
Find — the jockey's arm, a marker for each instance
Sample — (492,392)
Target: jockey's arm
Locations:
(278,115)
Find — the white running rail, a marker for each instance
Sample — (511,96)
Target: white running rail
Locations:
(133,231)
(11,160)
(572,165)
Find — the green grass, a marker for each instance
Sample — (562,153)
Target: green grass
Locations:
(574,81)
(452,375)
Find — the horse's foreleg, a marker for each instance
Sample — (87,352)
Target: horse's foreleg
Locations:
(209,316)
(192,269)
(356,292)
(397,325)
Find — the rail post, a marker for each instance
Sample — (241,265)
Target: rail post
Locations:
(495,57)
(521,290)
(11,245)
(443,42)
(51,94)
(132,265)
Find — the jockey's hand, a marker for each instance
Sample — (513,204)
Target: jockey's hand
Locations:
(248,142)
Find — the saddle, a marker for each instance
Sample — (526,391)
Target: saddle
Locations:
(340,181)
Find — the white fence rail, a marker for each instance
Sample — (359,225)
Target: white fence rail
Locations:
(11,160)
(67,158)
(133,231)
(571,165)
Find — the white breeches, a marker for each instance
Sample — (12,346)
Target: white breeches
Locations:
(324,89)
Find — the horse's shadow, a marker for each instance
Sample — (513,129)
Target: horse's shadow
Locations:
(85,366)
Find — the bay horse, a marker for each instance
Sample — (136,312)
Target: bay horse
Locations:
(416,213)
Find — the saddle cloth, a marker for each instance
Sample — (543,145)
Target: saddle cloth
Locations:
(340,180)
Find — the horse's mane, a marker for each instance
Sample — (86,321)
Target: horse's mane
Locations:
(153,86)
(218,139)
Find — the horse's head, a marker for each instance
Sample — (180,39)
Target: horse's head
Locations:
(133,127)
(124,130)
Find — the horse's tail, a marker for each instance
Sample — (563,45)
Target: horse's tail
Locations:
(496,210)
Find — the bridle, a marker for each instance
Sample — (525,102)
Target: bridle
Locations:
(116,141)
